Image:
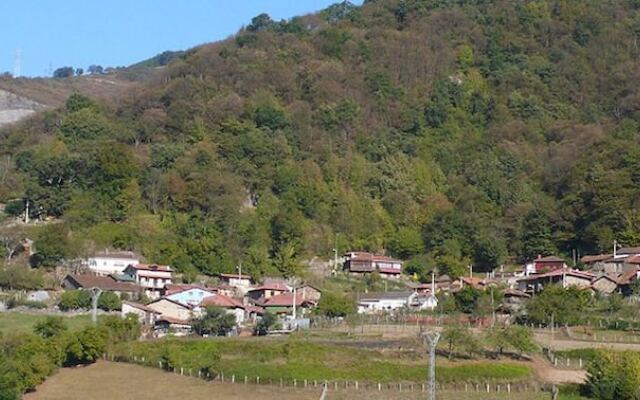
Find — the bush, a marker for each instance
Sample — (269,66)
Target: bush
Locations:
(215,321)
(109,301)
(614,376)
(265,324)
(334,305)
(49,327)
(85,347)
(75,300)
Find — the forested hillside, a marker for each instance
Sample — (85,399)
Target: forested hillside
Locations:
(441,131)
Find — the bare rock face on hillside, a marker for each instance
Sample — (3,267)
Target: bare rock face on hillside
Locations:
(13,107)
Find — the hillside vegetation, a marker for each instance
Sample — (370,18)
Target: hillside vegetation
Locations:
(441,131)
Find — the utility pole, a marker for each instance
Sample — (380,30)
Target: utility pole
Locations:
(431,340)
(615,248)
(17,67)
(95,295)
(552,328)
(26,212)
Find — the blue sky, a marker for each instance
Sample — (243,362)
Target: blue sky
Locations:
(54,33)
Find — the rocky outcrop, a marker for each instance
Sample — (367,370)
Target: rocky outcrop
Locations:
(13,108)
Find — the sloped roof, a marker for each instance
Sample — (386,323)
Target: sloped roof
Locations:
(560,272)
(152,267)
(285,300)
(628,277)
(549,259)
(629,250)
(271,286)
(102,282)
(595,258)
(141,307)
(220,300)
(516,293)
(365,256)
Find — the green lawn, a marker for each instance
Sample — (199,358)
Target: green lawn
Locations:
(290,359)
(16,322)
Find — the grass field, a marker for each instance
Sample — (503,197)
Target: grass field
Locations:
(106,381)
(15,322)
(291,358)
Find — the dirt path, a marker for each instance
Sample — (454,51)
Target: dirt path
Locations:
(547,373)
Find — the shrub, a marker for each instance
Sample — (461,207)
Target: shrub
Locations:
(49,327)
(85,347)
(74,300)
(109,301)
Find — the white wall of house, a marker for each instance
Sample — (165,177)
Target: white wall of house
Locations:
(105,265)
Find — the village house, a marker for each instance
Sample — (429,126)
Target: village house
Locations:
(174,309)
(284,304)
(369,303)
(541,265)
(266,291)
(309,292)
(153,278)
(605,284)
(229,304)
(146,315)
(627,281)
(513,300)
(565,277)
(240,282)
(111,262)
(104,283)
(357,262)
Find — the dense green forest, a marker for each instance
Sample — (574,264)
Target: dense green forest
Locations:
(444,132)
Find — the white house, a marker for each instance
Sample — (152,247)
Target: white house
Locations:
(111,262)
(369,303)
(153,278)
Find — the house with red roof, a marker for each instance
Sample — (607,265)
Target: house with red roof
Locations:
(266,291)
(541,265)
(284,304)
(229,304)
(358,262)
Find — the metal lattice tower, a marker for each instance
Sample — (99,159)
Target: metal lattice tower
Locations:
(95,295)
(431,341)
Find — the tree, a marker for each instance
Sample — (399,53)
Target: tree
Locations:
(79,71)
(266,323)
(50,327)
(109,301)
(216,321)
(95,69)
(286,260)
(74,300)
(467,298)
(536,237)
(85,347)
(51,246)
(460,338)
(514,337)
(567,306)
(63,72)
(261,22)
(334,305)
(406,242)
